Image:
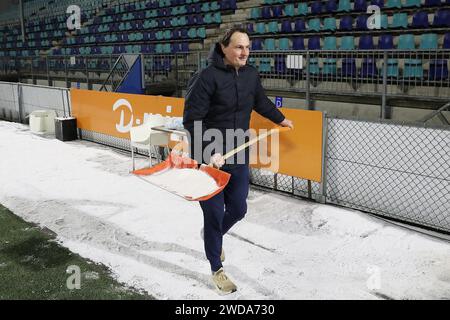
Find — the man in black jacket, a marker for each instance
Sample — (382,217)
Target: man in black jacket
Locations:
(221,98)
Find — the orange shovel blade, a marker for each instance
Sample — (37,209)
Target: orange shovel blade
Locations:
(174,161)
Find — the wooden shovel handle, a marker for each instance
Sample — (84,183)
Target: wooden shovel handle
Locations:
(254,140)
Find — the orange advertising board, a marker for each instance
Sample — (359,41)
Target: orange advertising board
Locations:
(114,114)
(298,153)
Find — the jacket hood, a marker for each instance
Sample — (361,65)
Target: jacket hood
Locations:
(215,56)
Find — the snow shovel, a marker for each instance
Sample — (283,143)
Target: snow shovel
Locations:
(220,177)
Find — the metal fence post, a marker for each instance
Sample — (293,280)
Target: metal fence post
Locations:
(384,113)
(323,182)
(176,76)
(20,102)
(307,97)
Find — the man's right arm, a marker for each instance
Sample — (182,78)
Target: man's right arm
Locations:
(196,107)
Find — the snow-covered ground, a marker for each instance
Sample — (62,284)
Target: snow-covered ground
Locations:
(285,248)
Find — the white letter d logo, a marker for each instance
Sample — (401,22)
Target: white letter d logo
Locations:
(121,127)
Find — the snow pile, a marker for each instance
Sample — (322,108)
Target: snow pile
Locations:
(284,248)
(185,182)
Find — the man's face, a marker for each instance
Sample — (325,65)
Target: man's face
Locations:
(237,51)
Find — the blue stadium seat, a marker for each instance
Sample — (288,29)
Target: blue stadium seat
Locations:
(316,7)
(393,4)
(303,9)
(412,3)
(299,44)
(286,26)
(392,68)
(420,20)
(314,66)
(344,5)
(438,70)
(365,42)
(256,44)
(428,41)
(260,28)
(442,18)
(346,23)
(413,68)
(347,43)
(300,25)
(368,68)
(329,24)
(264,65)
(331,6)
(289,10)
(283,44)
(329,67)
(348,68)
(314,24)
(255,13)
(314,43)
(272,27)
(201,32)
(406,42)
(329,43)
(400,20)
(384,21)
(386,41)
(269,44)
(360,6)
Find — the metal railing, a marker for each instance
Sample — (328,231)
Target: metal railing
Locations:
(116,75)
(421,74)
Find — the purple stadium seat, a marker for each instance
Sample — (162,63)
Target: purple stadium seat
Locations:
(379,3)
(314,43)
(184,47)
(360,5)
(346,23)
(361,22)
(365,42)
(442,18)
(300,25)
(331,6)
(368,68)
(256,44)
(420,20)
(280,64)
(277,11)
(298,43)
(286,26)
(348,67)
(316,7)
(266,13)
(431,3)
(250,28)
(386,41)
(446,44)
(438,70)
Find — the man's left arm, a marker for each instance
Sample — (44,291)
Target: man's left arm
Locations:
(267,109)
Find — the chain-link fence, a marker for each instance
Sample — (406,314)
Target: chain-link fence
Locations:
(395,170)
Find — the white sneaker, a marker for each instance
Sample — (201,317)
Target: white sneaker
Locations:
(222,253)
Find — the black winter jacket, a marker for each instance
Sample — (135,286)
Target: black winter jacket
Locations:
(224,98)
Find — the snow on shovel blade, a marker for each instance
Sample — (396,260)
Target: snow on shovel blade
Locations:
(177,162)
